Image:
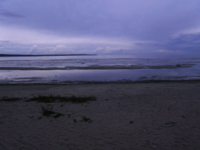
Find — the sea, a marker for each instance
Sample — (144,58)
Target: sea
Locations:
(95,69)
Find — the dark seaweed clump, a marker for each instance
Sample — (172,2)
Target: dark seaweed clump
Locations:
(8,99)
(72,99)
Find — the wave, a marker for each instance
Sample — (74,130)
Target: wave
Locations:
(98,67)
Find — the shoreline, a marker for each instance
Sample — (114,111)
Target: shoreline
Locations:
(104,82)
(71,76)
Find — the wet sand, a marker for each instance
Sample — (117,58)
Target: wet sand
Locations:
(125,116)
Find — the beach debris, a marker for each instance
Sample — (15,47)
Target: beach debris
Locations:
(48,111)
(58,115)
(39,118)
(86,119)
(9,99)
(183,116)
(83,119)
(170,124)
(68,115)
(52,98)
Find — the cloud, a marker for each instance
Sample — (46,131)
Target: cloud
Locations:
(57,49)
(26,36)
(34,49)
(7,47)
(184,42)
(61,49)
(142,20)
(105,26)
(10,14)
(169,51)
(110,50)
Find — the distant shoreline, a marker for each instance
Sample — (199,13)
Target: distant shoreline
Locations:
(29,55)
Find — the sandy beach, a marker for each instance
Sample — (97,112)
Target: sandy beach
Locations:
(125,116)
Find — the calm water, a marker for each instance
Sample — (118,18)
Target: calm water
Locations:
(65,69)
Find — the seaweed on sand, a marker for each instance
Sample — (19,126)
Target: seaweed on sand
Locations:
(72,99)
(48,111)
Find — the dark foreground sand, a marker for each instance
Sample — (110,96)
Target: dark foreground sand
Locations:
(164,116)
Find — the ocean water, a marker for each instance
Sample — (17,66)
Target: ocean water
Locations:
(98,68)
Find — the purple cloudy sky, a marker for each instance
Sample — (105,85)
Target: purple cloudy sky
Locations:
(136,27)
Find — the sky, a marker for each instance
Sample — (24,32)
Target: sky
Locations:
(120,27)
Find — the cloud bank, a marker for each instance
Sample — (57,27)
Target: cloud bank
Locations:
(106,26)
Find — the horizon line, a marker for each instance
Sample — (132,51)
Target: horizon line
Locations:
(23,55)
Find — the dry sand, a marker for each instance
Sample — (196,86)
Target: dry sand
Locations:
(164,116)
